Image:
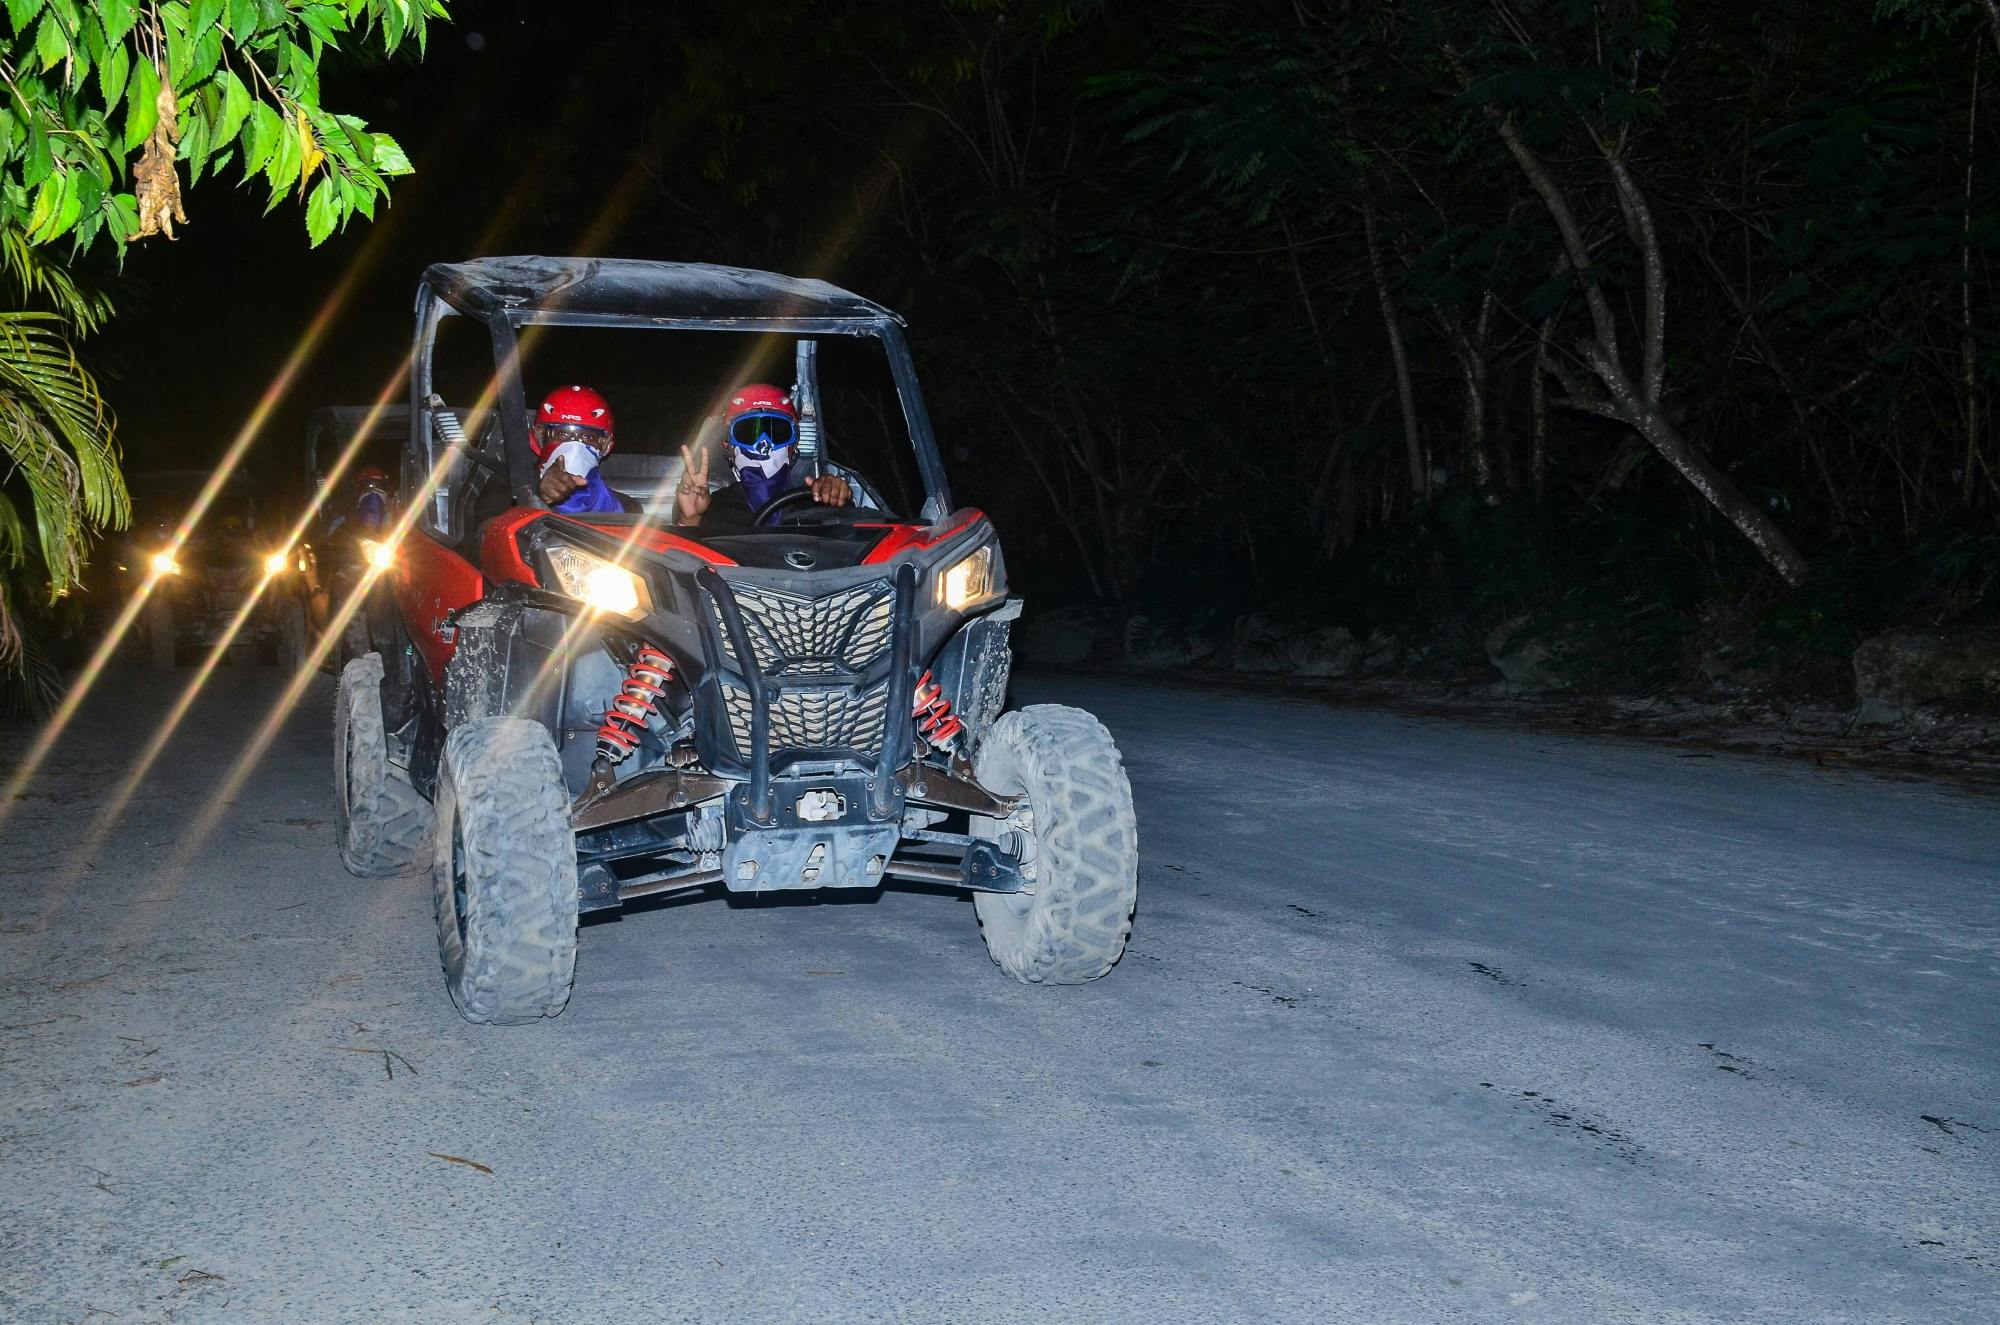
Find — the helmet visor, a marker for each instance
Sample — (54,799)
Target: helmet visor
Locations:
(555,434)
(761,433)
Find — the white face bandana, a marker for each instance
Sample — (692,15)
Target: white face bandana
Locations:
(579,458)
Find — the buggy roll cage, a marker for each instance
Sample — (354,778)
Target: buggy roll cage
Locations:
(505,294)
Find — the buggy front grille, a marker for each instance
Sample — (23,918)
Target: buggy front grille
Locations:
(793,635)
(814,717)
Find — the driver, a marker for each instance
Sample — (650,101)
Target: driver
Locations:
(761,427)
(371,502)
(569,435)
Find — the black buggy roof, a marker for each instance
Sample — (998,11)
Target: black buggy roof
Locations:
(626,289)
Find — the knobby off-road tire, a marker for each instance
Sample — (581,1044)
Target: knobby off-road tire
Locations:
(503,872)
(383,823)
(1082,851)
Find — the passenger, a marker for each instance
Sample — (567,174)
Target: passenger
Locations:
(569,435)
(371,502)
(762,430)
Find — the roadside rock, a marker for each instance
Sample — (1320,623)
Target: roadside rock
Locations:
(1261,645)
(1532,657)
(1895,675)
(1258,645)
(1329,651)
(1062,637)
(1380,652)
(1148,644)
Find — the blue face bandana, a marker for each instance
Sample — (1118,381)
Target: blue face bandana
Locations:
(595,497)
(760,488)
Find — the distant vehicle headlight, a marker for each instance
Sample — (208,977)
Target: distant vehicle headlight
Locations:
(275,563)
(164,564)
(969,582)
(382,556)
(605,587)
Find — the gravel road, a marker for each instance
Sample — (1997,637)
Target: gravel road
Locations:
(1421,1021)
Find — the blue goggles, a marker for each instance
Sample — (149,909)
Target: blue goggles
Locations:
(761,433)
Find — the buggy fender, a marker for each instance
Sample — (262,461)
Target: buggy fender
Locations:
(433,583)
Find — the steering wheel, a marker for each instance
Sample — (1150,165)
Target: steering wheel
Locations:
(784,501)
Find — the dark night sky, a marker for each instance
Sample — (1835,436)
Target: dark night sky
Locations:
(207,322)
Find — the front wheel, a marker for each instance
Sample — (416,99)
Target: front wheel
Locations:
(1077,838)
(503,873)
(383,823)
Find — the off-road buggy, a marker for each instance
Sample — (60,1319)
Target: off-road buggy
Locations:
(573,712)
(339,559)
(205,578)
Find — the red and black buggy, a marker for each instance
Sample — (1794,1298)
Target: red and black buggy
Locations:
(566,713)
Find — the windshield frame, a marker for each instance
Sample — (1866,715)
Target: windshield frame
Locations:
(508,396)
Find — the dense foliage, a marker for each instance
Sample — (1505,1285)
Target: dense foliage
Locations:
(1417,314)
(108,102)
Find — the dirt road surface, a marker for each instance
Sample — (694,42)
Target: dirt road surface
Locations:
(1421,1021)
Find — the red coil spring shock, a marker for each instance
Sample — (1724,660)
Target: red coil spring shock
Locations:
(935,720)
(625,716)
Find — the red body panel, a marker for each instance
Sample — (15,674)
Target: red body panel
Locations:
(432,580)
(500,548)
(903,537)
(659,540)
(500,551)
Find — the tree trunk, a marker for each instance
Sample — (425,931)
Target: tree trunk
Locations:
(1969,350)
(1412,443)
(1638,405)
(1749,519)
(1538,415)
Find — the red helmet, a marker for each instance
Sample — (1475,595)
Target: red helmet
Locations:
(760,426)
(371,476)
(571,413)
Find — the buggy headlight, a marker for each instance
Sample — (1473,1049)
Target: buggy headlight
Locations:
(381,556)
(275,563)
(969,581)
(605,587)
(164,564)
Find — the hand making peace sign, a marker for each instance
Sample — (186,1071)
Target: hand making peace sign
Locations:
(693,494)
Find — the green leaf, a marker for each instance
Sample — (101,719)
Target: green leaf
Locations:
(193,145)
(261,138)
(203,59)
(91,33)
(36,167)
(118,17)
(202,16)
(71,207)
(322,211)
(282,170)
(90,190)
(48,199)
(178,45)
(111,74)
(23,12)
(51,43)
(125,208)
(235,107)
(389,158)
(323,21)
(142,109)
(243,21)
